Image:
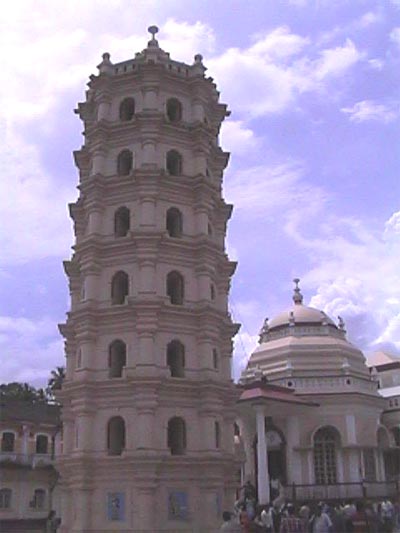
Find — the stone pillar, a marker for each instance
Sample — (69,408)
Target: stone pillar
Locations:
(263,474)
(147,212)
(149,153)
(198,110)
(82,504)
(147,276)
(293,462)
(150,99)
(103,110)
(25,443)
(146,508)
(201,221)
(94,220)
(98,160)
(145,425)
(85,432)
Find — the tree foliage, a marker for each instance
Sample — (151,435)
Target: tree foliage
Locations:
(28,393)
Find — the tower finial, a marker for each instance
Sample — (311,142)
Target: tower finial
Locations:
(297,296)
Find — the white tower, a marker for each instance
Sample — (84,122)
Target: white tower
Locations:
(148,401)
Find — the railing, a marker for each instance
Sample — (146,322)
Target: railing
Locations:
(34,460)
(343,491)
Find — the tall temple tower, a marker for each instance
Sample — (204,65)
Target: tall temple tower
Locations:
(148,400)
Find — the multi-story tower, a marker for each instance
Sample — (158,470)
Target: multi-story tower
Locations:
(148,401)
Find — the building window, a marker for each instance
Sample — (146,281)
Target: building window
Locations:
(119,288)
(39,500)
(124,163)
(116,436)
(215,359)
(7,441)
(174,110)
(177,435)
(176,359)
(5,498)
(369,464)
(42,444)
(121,222)
(116,358)
(217,433)
(326,441)
(175,288)
(127,109)
(209,230)
(174,222)
(174,163)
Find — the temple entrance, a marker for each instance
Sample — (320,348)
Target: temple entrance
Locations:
(276,452)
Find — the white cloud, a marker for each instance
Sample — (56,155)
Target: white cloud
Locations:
(395,35)
(30,349)
(277,68)
(264,190)
(355,273)
(370,110)
(237,138)
(32,227)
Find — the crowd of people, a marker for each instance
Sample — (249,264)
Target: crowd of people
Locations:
(324,517)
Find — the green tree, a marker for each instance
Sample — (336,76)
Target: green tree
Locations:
(56,380)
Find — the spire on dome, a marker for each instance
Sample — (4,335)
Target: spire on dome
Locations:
(153,30)
(297,296)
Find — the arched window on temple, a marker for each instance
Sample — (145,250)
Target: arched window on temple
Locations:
(176,359)
(122,222)
(175,288)
(119,287)
(124,163)
(326,445)
(174,110)
(115,435)
(116,358)
(174,163)
(7,441)
(42,444)
(177,435)
(174,222)
(127,109)
(212,291)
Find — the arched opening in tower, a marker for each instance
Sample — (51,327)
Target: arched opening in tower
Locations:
(174,222)
(121,222)
(175,288)
(174,110)
(116,358)
(119,288)
(127,109)
(174,163)
(177,435)
(116,435)
(176,359)
(124,163)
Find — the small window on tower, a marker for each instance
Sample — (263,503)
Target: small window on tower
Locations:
(177,435)
(174,163)
(212,291)
(176,359)
(215,359)
(174,110)
(175,288)
(174,222)
(119,288)
(121,222)
(116,358)
(217,430)
(124,163)
(127,109)
(116,436)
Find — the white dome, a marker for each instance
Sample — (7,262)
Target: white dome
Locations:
(300,314)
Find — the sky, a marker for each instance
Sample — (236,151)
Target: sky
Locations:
(314,90)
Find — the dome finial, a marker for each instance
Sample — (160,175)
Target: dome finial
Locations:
(153,30)
(297,296)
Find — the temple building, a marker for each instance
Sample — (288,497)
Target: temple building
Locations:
(313,422)
(148,401)
(155,434)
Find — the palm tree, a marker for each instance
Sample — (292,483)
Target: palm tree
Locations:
(56,380)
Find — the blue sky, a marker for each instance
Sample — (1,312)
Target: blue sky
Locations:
(314,90)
